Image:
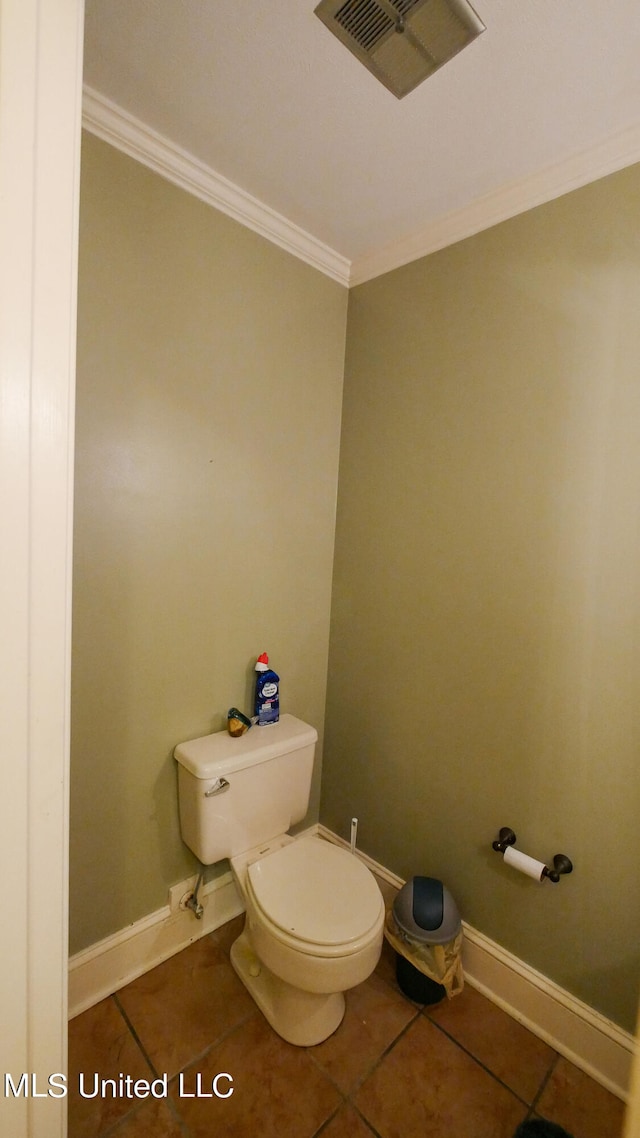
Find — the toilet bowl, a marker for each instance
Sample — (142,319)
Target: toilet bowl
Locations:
(313,929)
(314,912)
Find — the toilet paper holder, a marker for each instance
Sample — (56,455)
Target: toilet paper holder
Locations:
(561,863)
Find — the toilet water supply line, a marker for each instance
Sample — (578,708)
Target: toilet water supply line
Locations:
(193,902)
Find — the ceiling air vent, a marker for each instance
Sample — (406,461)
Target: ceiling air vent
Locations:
(401,41)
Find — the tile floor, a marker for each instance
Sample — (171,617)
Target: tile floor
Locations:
(393,1069)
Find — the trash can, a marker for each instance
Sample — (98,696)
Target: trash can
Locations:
(427,938)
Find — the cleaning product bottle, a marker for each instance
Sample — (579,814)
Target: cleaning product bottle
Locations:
(267,706)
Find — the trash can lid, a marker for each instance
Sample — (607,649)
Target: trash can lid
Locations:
(425,909)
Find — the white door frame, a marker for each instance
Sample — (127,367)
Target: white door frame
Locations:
(40,117)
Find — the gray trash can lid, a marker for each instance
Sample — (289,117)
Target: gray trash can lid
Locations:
(425,909)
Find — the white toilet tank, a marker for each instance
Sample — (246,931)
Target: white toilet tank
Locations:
(235,794)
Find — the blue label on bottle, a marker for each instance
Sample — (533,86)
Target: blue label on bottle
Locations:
(267,706)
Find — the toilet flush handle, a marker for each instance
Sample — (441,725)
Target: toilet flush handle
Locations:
(219,787)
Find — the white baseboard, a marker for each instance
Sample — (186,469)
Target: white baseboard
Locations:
(101,969)
(589,1040)
(585,1037)
(104,967)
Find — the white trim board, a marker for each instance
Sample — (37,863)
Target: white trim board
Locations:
(615,153)
(585,1037)
(589,1040)
(103,968)
(40,97)
(112,124)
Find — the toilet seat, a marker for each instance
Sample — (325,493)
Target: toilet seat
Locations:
(316,898)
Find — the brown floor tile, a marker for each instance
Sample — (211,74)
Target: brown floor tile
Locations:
(375,1016)
(417,1080)
(152,1120)
(100,1044)
(428,1086)
(347,1123)
(278,1090)
(508,1049)
(181,1007)
(582,1106)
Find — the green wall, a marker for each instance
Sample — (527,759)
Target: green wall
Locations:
(210,368)
(484,664)
(485,643)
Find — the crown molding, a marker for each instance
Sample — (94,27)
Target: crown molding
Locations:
(615,153)
(109,122)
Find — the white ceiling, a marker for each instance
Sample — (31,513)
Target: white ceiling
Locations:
(262,94)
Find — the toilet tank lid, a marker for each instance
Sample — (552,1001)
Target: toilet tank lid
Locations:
(220,753)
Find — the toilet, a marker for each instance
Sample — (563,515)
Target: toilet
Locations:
(314,913)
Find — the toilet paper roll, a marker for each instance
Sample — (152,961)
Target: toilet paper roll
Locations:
(524,863)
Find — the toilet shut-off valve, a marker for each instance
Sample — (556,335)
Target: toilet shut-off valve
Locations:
(192,903)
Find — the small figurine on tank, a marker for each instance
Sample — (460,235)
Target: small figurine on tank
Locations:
(237,723)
